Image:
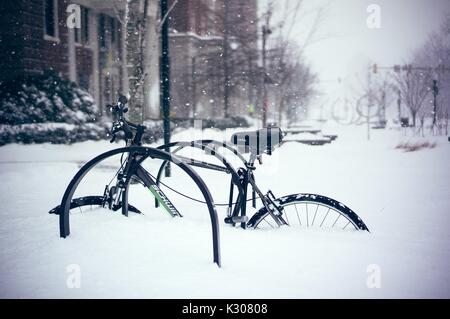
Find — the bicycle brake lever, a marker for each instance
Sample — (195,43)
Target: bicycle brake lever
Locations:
(113,138)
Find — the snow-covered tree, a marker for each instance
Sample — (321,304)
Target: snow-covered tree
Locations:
(142,56)
(414,86)
(435,54)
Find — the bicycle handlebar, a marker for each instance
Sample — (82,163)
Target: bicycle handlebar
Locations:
(119,122)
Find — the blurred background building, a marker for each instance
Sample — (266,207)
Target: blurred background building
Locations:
(35,37)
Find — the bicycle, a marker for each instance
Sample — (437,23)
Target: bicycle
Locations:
(276,212)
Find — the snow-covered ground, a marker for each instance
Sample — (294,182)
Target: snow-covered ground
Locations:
(404,198)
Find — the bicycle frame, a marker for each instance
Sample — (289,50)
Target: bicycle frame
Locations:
(134,169)
(241,179)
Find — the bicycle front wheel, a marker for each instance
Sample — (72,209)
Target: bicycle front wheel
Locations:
(310,210)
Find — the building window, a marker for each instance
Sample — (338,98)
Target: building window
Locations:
(102,31)
(82,33)
(77,35)
(51,19)
(115,34)
(84,81)
(85,25)
(113,31)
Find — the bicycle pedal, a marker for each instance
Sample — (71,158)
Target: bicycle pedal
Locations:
(236,220)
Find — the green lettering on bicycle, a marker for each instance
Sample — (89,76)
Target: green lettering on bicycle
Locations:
(164,201)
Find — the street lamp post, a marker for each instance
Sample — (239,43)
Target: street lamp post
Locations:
(226,71)
(165,78)
(265,32)
(194,88)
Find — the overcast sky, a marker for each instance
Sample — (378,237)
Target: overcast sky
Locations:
(350,45)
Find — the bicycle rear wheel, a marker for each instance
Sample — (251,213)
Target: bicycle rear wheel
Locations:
(310,210)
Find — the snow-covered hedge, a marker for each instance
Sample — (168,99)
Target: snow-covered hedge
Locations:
(55,133)
(47,109)
(63,133)
(45,98)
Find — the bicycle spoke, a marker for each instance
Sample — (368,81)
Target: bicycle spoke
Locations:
(307,217)
(325,217)
(339,215)
(287,219)
(346,225)
(328,220)
(268,222)
(297,214)
(315,214)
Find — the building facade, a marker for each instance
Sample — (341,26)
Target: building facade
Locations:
(36,36)
(198,71)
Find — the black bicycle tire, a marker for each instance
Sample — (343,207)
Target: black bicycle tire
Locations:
(305,197)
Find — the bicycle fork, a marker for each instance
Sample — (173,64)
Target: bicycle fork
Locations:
(274,210)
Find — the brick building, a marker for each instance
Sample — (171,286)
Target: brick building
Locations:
(35,36)
(196,49)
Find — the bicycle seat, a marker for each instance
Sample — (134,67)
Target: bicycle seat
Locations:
(258,142)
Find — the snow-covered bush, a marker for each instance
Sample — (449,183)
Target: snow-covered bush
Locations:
(55,133)
(45,98)
(47,109)
(63,133)
(415,146)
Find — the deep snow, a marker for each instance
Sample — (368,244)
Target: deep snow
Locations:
(402,196)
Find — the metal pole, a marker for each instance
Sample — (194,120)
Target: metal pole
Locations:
(194,88)
(165,78)
(265,106)
(226,91)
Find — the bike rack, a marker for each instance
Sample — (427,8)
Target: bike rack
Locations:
(204,145)
(64,222)
(210,147)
